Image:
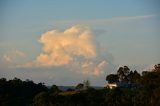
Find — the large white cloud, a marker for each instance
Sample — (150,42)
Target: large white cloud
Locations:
(59,48)
(73,48)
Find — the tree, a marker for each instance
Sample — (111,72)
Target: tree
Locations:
(145,72)
(151,79)
(126,70)
(136,76)
(86,84)
(123,73)
(41,99)
(54,90)
(157,68)
(156,97)
(112,78)
(133,77)
(80,86)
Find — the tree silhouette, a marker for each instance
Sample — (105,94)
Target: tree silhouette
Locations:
(80,86)
(112,78)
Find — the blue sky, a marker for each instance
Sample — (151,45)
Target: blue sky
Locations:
(124,33)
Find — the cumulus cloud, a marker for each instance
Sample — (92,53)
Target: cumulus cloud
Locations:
(73,48)
(60,47)
(91,68)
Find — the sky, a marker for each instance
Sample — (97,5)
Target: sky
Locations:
(65,42)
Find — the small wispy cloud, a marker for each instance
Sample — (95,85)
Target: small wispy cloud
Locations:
(90,68)
(126,18)
(7,58)
(13,55)
(20,53)
(103,21)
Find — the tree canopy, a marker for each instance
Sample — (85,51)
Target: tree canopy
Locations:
(16,92)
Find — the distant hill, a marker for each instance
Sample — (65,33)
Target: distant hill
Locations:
(64,88)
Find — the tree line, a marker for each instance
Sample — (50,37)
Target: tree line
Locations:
(16,92)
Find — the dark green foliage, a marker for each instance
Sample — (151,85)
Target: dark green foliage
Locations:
(41,99)
(112,78)
(133,77)
(17,92)
(157,68)
(80,86)
(151,79)
(54,90)
(26,93)
(123,73)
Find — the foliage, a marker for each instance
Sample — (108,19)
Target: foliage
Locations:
(80,86)
(112,78)
(86,84)
(54,90)
(16,92)
(66,93)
